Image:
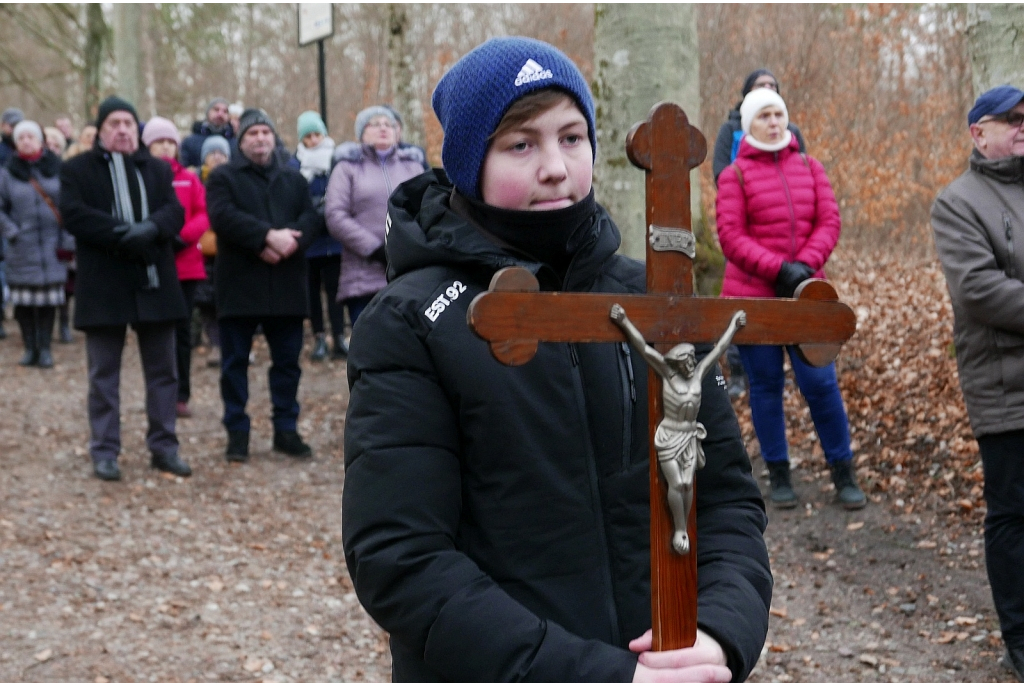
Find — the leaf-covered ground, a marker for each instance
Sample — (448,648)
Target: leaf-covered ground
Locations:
(237,574)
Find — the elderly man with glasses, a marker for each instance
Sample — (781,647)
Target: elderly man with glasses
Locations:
(979,233)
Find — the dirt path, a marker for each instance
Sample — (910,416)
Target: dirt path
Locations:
(236,574)
(875,595)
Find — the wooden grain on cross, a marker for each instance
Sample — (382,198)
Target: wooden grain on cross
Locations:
(514,317)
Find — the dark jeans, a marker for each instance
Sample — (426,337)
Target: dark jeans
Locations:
(324,273)
(284,336)
(820,388)
(1002,457)
(356,305)
(183,342)
(104,346)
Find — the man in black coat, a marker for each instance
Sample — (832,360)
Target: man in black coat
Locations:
(264,221)
(120,204)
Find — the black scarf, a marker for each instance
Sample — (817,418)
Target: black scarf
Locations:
(550,237)
(48,165)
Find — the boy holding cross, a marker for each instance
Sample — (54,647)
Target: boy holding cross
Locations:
(496,518)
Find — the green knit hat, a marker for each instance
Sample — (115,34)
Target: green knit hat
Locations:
(310,122)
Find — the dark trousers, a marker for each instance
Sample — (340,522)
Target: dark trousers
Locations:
(1002,457)
(104,346)
(764,365)
(183,342)
(284,336)
(324,273)
(356,305)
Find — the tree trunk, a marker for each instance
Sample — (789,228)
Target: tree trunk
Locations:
(643,55)
(95,38)
(402,74)
(996,45)
(127,52)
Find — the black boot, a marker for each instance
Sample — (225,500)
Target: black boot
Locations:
(171,463)
(782,494)
(1013,661)
(849,494)
(44,335)
(25,316)
(106,469)
(340,348)
(238,446)
(319,352)
(65,325)
(291,444)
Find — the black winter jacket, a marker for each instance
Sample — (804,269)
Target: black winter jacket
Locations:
(723,143)
(496,519)
(110,286)
(244,201)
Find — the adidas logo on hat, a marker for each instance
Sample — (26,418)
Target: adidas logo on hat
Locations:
(531,72)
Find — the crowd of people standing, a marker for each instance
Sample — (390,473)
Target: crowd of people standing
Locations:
(224,228)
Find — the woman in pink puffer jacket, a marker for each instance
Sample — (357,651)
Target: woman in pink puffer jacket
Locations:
(778,222)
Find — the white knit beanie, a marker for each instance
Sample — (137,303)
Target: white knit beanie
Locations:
(28,125)
(755,101)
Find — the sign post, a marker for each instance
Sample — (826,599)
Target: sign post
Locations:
(316,23)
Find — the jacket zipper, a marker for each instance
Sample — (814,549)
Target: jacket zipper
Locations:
(1011,265)
(792,212)
(383,170)
(595,489)
(628,403)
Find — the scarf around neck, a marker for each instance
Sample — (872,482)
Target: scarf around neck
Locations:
(551,237)
(769,147)
(315,161)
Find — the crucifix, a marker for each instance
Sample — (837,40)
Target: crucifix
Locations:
(513,316)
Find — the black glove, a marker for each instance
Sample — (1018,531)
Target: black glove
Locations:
(790,276)
(178,244)
(137,238)
(379,255)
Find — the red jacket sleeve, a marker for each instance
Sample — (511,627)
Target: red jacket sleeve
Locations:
(827,222)
(738,245)
(196,220)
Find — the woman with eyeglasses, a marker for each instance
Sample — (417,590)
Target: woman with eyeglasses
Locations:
(356,203)
(778,222)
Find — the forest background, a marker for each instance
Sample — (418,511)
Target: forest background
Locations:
(879,91)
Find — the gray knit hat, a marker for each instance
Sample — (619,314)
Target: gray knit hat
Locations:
(251,117)
(363,118)
(12,116)
(216,101)
(214,143)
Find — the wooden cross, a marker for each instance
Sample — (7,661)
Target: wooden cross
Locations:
(513,316)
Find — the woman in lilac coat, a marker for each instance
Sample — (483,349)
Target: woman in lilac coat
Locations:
(356,204)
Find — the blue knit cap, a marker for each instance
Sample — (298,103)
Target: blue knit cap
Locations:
(471,99)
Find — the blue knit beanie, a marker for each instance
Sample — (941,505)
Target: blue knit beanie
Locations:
(471,99)
(214,143)
(310,122)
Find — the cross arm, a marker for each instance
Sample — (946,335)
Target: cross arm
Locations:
(512,321)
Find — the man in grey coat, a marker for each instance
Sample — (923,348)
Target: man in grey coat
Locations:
(979,234)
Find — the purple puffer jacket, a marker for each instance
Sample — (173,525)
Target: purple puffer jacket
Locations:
(356,207)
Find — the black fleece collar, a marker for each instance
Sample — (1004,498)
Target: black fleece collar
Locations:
(48,165)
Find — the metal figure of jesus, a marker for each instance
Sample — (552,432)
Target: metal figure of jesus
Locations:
(677,439)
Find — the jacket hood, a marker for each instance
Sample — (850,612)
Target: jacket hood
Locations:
(423,230)
(350,151)
(1005,170)
(48,165)
(202,128)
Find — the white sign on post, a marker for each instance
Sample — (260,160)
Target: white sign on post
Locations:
(316,22)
